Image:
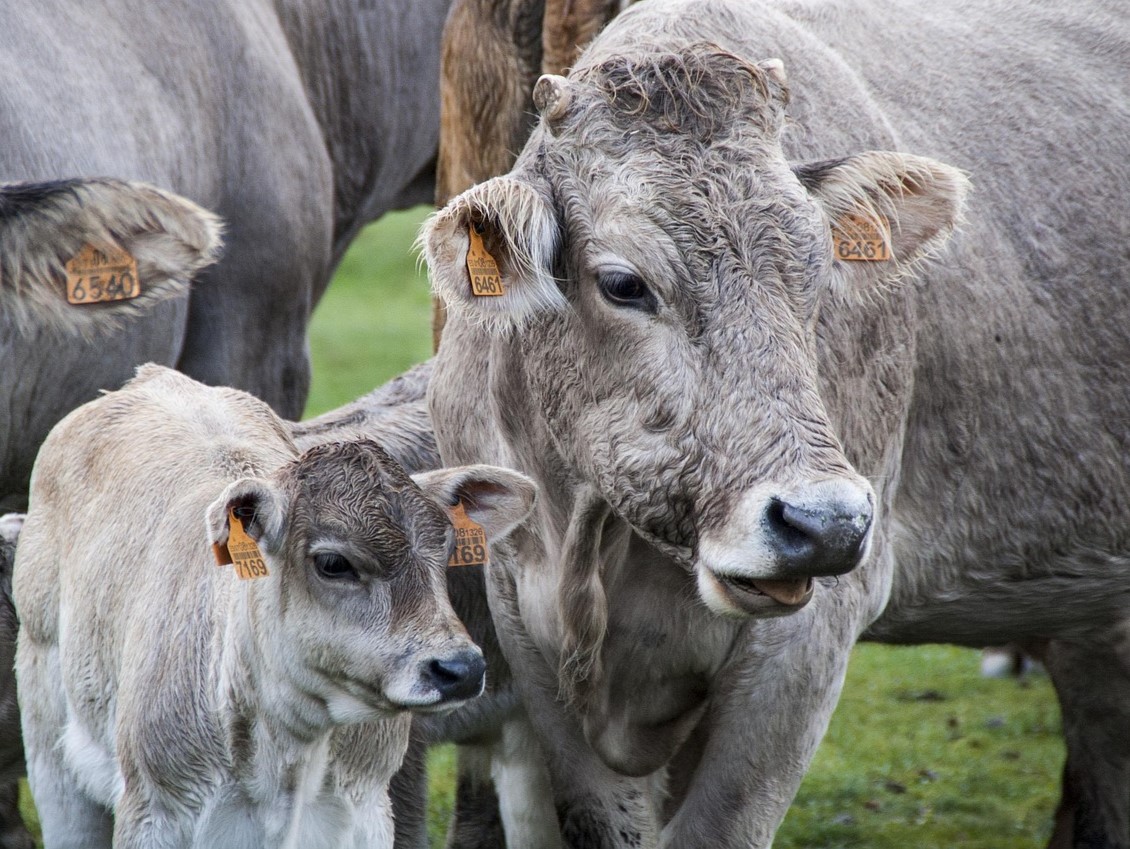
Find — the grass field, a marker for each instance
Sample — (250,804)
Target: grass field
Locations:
(922,752)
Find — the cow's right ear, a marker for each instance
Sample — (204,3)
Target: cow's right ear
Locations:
(45,226)
(496,498)
(491,250)
(260,505)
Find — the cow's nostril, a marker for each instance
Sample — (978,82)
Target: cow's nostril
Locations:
(818,535)
(457,676)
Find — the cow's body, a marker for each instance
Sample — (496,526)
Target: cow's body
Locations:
(170,703)
(58,355)
(297,122)
(982,394)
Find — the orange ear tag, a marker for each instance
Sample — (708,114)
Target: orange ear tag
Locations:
(486,279)
(241,550)
(859,239)
(470,539)
(97,275)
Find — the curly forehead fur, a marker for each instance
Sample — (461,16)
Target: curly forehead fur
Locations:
(358,486)
(697,89)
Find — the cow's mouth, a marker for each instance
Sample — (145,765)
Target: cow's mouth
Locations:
(762,595)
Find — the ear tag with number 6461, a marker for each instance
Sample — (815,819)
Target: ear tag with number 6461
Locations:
(486,279)
(241,550)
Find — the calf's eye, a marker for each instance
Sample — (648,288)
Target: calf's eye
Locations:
(624,289)
(334,567)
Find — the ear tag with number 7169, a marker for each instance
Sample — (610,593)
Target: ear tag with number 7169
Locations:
(241,550)
(470,539)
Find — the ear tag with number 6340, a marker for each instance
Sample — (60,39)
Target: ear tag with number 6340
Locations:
(486,279)
(241,550)
(470,539)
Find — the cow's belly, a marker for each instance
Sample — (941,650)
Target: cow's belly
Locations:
(990,602)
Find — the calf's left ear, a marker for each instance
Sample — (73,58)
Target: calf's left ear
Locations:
(496,498)
(260,506)
(886,212)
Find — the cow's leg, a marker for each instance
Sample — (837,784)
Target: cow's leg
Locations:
(772,706)
(596,807)
(68,817)
(1093,684)
(409,794)
(476,822)
(524,790)
(13,832)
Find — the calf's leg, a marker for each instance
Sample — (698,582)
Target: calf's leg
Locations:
(69,818)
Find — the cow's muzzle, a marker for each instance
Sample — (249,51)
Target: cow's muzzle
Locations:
(763,560)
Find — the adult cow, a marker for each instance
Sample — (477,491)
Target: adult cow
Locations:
(297,121)
(714,343)
(58,354)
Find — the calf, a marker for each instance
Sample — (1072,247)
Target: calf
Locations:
(168,702)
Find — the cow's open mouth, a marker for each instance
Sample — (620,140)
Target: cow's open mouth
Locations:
(750,593)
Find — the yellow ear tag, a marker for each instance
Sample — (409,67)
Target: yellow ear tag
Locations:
(486,279)
(241,550)
(470,539)
(97,275)
(858,239)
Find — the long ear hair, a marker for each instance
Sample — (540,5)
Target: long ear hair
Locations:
(582,603)
(516,224)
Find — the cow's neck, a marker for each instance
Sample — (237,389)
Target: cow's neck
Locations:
(370,70)
(274,725)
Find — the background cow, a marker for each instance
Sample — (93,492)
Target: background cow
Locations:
(58,355)
(687,347)
(298,122)
(200,709)
(13,834)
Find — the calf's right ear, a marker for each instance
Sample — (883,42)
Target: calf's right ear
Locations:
(491,251)
(260,505)
(496,498)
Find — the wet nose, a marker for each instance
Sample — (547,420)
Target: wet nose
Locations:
(821,529)
(456,676)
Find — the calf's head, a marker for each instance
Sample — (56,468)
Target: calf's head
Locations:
(665,271)
(357,593)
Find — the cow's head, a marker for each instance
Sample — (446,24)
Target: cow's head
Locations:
(357,555)
(664,272)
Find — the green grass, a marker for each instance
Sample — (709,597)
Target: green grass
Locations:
(922,752)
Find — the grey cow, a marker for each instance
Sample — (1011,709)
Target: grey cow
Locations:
(58,355)
(297,121)
(765,422)
(165,701)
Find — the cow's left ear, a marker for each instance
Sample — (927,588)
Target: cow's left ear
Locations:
(261,507)
(886,211)
(496,498)
(490,252)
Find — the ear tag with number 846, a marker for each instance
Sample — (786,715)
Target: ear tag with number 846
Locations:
(470,539)
(241,550)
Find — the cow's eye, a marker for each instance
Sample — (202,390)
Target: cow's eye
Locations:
(624,289)
(334,567)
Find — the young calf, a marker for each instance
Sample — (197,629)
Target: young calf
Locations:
(166,702)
